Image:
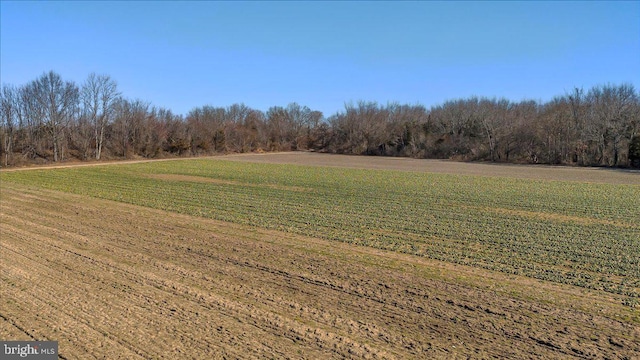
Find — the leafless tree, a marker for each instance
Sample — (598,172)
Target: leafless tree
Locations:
(99,94)
(234,131)
(8,119)
(613,111)
(50,119)
(277,124)
(129,127)
(207,126)
(57,101)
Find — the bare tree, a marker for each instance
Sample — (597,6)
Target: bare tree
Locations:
(8,116)
(34,123)
(81,136)
(236,139)
(299,124)
(612,113)
(44,119)
(314,133)
(520,140)
(99,94)
(580,142)
(277,124)
(130,131)
(57,102)
(207,126)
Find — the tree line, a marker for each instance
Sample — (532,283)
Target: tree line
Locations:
(51,120)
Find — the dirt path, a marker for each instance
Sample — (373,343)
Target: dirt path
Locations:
(110,280)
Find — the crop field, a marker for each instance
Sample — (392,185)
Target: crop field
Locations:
(302,255)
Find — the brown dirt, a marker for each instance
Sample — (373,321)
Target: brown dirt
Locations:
(110,280)
(538,172)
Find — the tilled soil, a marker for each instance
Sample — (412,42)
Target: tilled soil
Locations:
(538,172)
(110,280)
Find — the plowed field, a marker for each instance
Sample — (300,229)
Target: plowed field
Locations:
(109,279)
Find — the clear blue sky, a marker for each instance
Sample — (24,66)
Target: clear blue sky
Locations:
(180,55)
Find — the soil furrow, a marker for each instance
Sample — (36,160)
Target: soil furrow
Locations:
(160,285)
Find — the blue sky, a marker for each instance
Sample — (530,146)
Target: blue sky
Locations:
(181,55)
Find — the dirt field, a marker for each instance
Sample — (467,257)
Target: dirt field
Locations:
(110,280)
(542,172)
(151,284)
